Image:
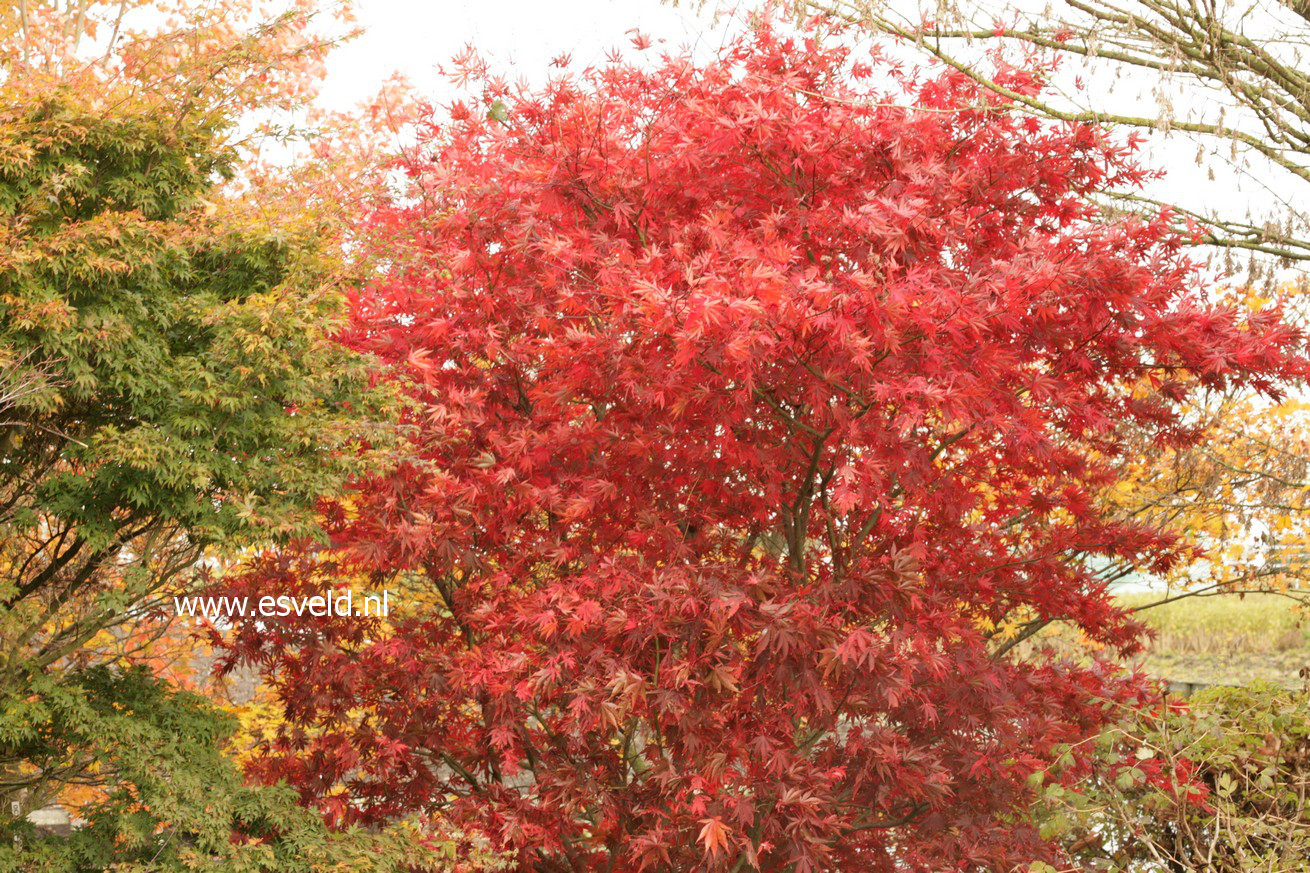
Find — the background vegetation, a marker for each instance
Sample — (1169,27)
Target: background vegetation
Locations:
(1227,639)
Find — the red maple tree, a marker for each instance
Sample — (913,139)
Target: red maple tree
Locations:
(750,397)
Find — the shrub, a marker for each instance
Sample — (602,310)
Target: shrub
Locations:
(1218,784)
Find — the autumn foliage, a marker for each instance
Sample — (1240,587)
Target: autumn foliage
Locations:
(759,404)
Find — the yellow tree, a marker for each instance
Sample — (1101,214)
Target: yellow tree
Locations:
(1238,498)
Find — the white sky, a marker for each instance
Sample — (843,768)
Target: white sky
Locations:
(412,37)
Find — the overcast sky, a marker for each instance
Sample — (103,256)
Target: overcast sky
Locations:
(519,36)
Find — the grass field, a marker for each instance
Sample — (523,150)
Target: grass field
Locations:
(1227,639)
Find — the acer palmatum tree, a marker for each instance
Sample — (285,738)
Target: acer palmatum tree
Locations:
(756,409)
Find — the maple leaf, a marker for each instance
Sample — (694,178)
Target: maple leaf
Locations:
(714,836)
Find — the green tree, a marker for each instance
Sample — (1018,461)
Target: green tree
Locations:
(172,392)
(176,803)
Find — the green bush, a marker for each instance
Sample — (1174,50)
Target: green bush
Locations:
(1220,784)
(174,801)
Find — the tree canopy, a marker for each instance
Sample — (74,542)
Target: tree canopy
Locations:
(760,412)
